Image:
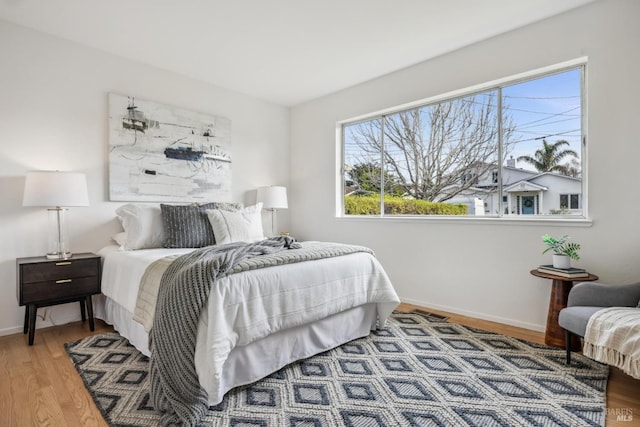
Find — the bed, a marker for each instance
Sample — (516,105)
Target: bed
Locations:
(320,304)
(255,320)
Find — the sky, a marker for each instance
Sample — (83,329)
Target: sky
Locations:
(548,108)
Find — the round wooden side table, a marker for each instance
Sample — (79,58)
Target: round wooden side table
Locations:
(554,334)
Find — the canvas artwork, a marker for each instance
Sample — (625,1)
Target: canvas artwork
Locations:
(161,153)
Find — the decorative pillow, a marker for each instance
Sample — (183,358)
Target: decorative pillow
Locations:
(229,206)
(142,225)
(187,226)
(244,225)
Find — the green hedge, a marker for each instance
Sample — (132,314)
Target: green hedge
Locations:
(370,205)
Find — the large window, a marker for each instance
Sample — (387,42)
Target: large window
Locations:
(512,149)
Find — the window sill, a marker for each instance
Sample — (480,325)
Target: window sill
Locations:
(564,221)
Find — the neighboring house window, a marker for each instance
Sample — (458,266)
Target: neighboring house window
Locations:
(459,155)
(469,178)
(570,201)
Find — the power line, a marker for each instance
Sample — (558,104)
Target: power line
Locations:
(541,97)
(531,132)
(517,128)
(556,134)
(543,137)
(544,112)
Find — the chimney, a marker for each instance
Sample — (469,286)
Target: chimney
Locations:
(511,162)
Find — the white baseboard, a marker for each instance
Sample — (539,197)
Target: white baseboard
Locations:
(483,316)
(55,316)
(11,331)
(426,304)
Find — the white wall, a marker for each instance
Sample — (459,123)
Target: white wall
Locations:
(53,115)
(482,268)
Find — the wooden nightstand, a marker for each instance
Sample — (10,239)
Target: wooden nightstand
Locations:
(554,334)
(43,282)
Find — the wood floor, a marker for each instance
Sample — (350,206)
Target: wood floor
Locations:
(40,387)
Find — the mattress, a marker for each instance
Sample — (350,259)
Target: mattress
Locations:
(305,324)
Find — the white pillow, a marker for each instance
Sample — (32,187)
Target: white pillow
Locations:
(142,224)
(244,225)
(120,238)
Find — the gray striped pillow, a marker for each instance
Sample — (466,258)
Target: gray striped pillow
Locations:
(187,226)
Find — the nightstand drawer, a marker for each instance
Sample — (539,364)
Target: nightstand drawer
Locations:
(33,293)
(59,270)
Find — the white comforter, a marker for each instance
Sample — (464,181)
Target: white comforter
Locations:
(245,307)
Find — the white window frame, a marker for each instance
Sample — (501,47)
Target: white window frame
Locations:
(495,84)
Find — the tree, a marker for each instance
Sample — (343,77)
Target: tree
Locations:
(549,158)
(367,178)
(574,168)
(432,150)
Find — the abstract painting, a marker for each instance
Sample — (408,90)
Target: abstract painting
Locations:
(161,153)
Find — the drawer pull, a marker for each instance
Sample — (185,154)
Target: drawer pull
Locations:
(63,281)
(64,263)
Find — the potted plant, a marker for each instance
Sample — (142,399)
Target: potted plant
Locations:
(563,251)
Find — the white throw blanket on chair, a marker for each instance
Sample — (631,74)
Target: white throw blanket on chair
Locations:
(613,337)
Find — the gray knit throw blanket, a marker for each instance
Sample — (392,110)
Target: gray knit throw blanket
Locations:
(184,290)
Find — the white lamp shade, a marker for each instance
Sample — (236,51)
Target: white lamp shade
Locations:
(60,189)
(273,197)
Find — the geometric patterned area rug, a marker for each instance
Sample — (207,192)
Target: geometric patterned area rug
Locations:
(419,371)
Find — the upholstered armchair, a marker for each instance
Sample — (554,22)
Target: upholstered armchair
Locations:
(587,298)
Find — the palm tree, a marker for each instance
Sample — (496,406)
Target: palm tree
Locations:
(548,158)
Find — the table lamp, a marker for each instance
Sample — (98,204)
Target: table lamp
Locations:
(272,198)
(56,191)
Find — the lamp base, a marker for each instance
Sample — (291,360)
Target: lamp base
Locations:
(59,255)
(58,240)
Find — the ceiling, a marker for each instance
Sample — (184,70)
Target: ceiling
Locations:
(283,51)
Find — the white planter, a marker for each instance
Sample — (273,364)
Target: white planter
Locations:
(561,261)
